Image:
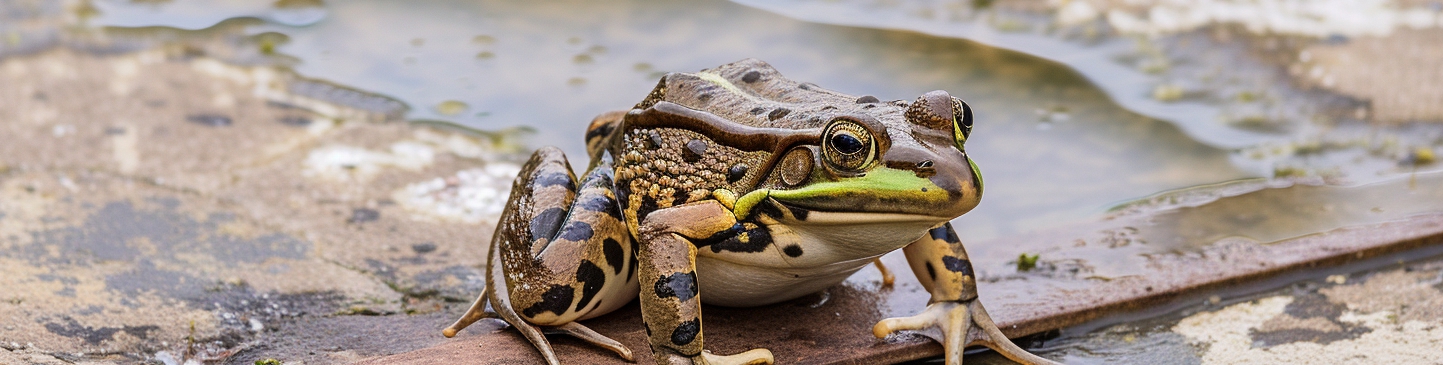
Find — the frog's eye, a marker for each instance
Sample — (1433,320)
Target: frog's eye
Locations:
(848,146)
(961,122)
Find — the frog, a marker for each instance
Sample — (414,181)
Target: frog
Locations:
(736,186)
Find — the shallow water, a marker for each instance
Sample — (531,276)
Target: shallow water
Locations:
(1053,148)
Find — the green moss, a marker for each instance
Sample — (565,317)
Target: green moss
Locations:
(1026,262)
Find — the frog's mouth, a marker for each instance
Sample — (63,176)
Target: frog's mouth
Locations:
(798,214)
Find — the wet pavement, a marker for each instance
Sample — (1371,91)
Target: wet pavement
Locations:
(170,196)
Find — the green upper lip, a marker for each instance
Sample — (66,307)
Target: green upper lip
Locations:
(882,190)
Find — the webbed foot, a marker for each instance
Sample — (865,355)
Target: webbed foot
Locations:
(960,324)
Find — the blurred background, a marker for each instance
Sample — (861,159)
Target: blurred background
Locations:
(166,159)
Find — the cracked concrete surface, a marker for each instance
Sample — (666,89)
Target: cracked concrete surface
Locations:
(1391,317)
(154,202)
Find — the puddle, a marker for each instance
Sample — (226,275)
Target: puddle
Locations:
(1272,215)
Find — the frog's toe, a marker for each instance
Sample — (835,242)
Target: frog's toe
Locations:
(957,325)
(752,357)
(586,334)
(476,313)
(887,277)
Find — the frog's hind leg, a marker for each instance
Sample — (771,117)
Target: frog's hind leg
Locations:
(942,267)
(600,133)
(560,253)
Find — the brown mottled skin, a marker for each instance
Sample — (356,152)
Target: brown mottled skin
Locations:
(752,188)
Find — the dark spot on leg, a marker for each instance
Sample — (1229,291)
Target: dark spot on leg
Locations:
(778,113)
(931,272)
(592,278)
(554,300)
(600,204)
(806,86)
(867,99)
(544,225)
(599,132)
(686,332)
(599,177)
(751,76)
(623,195)
(632,260)
(758,110)
(945,233)
(736,172)
(703,97)
(957,265)
(612,250)
(555,179)
(681,285)
(793,250)
(577,231)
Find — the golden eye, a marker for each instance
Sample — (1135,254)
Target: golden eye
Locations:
(848,146)
(961,122)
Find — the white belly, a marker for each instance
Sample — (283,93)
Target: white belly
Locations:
(732,285)
(829,248)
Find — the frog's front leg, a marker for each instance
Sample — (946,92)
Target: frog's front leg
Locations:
(670,299)
(560,253)
(941,265)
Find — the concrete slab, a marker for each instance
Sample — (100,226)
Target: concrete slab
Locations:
(1384,315)
(163,206)
(156,205)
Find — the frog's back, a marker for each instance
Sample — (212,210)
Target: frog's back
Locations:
(721,128)
(751,92)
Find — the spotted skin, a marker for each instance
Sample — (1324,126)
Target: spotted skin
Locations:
(732,175)
(559,250)
(941,265)
(672,304)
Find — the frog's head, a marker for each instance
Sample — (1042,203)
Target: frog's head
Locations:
(900,160)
